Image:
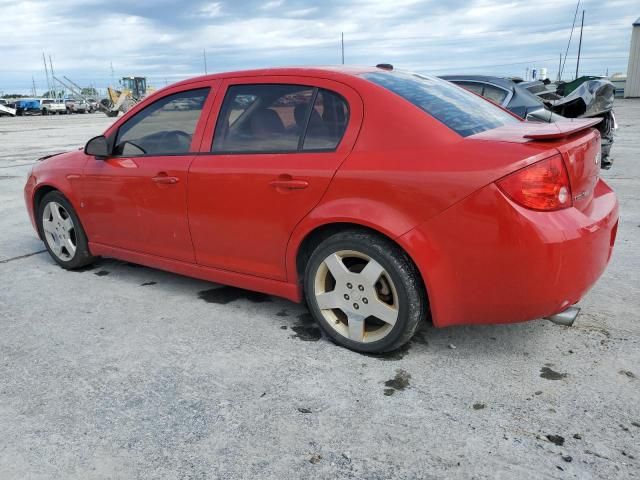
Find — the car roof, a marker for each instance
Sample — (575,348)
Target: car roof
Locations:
(500,81)
(335,72)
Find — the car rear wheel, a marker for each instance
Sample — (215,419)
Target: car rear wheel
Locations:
(62,232)
(364,292)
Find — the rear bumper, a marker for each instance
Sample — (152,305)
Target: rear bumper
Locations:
(488,260)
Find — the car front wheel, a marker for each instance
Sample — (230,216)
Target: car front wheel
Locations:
(364,292)
(62,232)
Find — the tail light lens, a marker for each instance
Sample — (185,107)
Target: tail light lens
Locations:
(542,186)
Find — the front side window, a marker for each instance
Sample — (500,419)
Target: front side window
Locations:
(165,127)
(279,118)
(460,110)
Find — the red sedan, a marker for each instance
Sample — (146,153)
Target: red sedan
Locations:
(380,197)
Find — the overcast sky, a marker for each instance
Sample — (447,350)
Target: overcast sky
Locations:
(164,39)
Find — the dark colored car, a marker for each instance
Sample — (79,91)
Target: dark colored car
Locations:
(507,94)
(519,99)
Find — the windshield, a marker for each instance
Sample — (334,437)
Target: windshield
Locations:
(460,110)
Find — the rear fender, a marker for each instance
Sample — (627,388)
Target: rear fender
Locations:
(357,211)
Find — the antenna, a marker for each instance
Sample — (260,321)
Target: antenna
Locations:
(342,42)
(580,45)
(575,15)
(204,55)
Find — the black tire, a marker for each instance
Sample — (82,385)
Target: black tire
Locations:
(45,111)
(82,256)
(411,297)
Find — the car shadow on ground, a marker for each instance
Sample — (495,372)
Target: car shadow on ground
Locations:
(477,341)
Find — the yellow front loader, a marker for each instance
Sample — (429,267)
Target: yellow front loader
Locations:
(133,89)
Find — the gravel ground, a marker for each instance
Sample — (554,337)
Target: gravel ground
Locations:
(125,372)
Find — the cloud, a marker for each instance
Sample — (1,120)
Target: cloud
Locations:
(303,12)
(211,10)
(271,5)
(164,39)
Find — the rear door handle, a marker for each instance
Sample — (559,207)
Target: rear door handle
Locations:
(289,184)
(165,179)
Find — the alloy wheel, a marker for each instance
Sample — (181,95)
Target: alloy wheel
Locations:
(59,231)
(356,296)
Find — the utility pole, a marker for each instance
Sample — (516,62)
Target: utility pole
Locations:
(580,45)
(204,55)
(113,77)
(33,86)
(560,67)
(342,42)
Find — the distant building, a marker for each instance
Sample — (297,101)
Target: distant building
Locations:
(632,88)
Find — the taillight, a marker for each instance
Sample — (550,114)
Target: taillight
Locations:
(541,186)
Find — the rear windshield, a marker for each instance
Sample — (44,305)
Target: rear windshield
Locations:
(458,109)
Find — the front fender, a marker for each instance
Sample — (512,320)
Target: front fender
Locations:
(63,173)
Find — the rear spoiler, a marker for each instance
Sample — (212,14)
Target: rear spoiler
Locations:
(552,131)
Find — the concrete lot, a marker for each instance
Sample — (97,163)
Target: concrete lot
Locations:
(123,372)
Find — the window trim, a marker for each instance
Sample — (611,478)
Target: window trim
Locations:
(113,137)
(302,138)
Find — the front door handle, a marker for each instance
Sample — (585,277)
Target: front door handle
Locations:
(289,184)
(165,179)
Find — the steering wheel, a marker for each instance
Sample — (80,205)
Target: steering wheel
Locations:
(173,138)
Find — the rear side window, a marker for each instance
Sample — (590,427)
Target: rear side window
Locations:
(262,118)
(495,94)
(460,110)
(279,118)
(327,122)
(163,128)
(474,87)
(491,92)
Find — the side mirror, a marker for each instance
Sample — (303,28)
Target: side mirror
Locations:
(97,147)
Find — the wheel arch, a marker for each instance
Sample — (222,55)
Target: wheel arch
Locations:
(39,193)
(315,236)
